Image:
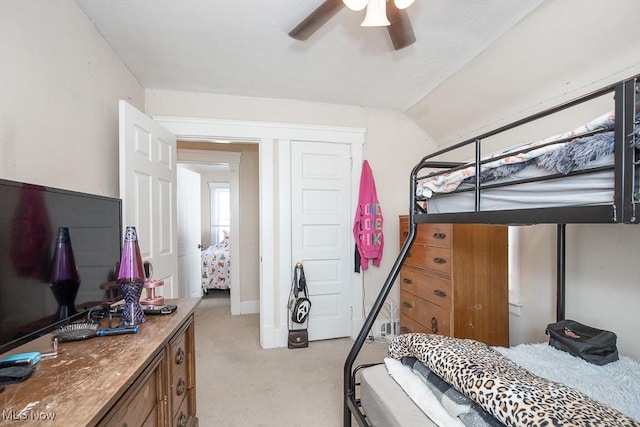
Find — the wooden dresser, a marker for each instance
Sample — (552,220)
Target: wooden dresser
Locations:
(455,282)
(145,379)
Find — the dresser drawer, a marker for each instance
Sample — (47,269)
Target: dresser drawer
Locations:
(433,258)
(433,318)
(181,417)
(178,371)
(438,235)
(434,289)
(408,325)
(177,357)
(141,407)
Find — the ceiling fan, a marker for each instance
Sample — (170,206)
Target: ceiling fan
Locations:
(396,19)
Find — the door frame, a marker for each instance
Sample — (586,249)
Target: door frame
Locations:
(195,156)
(272,137)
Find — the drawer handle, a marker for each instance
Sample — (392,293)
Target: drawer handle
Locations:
(440,293)
(407,304)
(434,325)
(439,260)
(407,281)
(182,421)
(180,357)
(439,236)
(181,387)
(404,330)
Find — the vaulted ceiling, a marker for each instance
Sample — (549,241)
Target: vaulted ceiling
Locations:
(242,47)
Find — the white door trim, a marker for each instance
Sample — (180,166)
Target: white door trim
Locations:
(286,260)
(275,279)
(187,155)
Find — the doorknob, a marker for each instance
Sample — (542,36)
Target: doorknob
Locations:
(199,246)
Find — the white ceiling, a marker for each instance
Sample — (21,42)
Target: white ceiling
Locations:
(241,47)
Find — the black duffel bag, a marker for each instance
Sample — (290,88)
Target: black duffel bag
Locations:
(596,346)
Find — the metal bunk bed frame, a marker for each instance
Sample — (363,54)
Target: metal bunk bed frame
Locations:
(623,210)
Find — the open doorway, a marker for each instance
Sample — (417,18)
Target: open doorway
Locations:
(229,266)
(272,237)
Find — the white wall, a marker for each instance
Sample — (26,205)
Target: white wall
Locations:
(554,55)
(60,84)
(562,49)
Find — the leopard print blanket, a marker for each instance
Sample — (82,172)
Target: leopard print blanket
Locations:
(509,392)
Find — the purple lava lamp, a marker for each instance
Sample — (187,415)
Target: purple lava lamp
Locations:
(64,280)
(131,279)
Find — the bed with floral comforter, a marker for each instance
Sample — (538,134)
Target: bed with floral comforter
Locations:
(216,267)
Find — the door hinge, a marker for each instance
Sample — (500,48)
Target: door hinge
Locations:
(351,312)
(351,160)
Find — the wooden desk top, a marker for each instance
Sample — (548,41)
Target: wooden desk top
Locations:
(79,386)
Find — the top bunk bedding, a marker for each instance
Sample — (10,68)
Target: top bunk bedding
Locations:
(593,165)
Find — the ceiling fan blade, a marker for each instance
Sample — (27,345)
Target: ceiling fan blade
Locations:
(400,30)
(316,19)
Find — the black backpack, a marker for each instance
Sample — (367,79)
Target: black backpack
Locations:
(596,346)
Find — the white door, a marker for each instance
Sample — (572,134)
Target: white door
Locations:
(321,232)
(148,192)
(189,233)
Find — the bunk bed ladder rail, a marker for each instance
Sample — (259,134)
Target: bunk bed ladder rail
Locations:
(351,405)
(561,276)
(627,196)
(627,171)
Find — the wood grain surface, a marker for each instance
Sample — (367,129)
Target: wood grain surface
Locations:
(81,384)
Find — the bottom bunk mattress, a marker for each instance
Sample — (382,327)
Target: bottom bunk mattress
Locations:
(593,188)
(526,385)
(385,404)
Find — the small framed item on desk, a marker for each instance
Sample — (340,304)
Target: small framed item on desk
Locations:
(116,309)
(159,309)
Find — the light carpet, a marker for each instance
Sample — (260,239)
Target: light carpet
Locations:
(240,384)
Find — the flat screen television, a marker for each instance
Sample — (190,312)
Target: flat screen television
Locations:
(30,216)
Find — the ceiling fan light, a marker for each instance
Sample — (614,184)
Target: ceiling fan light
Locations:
(376,14)
(355,4)
(403,4)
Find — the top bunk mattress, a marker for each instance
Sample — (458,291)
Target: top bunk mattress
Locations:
(594,188)
(573,168)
